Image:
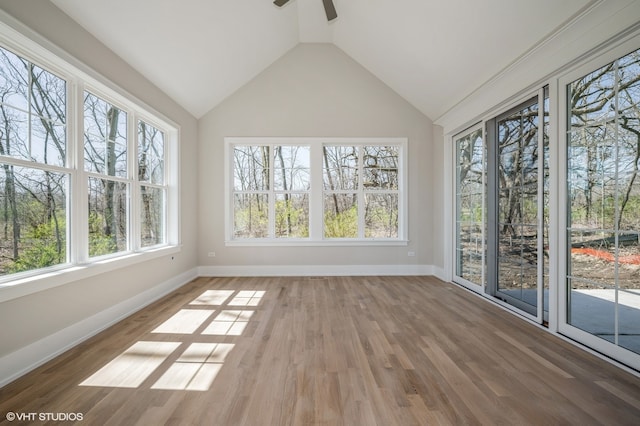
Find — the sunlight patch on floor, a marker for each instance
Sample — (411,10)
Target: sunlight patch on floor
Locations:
(199,364)
(196,369)
(212,297)
(133,366)
(185,321)
(247,298)
(229,323)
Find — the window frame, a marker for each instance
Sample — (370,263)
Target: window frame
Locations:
(79,77)
(316,191)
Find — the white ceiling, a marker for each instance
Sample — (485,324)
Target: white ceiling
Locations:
(431,52)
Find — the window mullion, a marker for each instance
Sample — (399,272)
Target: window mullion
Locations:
(316,193)
(79,215)
(134,186)
(361,192)
(271,193)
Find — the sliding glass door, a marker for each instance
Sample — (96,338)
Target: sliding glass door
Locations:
(602,297)
(469,208)
(500,204)
(516,170)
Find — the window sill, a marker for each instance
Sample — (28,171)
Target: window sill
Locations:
(55,277)
(315,243)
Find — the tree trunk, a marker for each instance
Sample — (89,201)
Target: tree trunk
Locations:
(10,189)
(111,223)
(285,188)
(330,179)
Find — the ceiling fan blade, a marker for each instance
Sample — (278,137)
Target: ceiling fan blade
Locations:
(280,3)
(330,10)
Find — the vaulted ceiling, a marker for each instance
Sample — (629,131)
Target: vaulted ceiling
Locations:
(433,53)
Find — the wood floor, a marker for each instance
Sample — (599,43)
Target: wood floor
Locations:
(323,351)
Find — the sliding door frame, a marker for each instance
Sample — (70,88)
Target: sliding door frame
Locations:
(610,349)
(458,279)
(535,313)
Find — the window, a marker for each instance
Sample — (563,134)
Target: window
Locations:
(361,191)
(105,161)
(152,184)
(70,194)
(34,179)
(301,190)
(271,191)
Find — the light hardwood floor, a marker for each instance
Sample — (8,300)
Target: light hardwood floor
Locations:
(319,351)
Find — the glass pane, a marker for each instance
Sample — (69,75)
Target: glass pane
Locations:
(470,208)
(48,95)
(291,171)
(95,119)
(150,154)
(341,216)
(592,256)
(470,169)
(105,135)
(381,216)
(605,201)
(14,135)
(117,142)
(292,216)
(591,97)
(14,80)
(518,176)
(528,208)
(380,167)
(545,197)
(340,167)
(250,216)
(251,168)
(628,181)
(510,206)
(469,258)
(108,216)
(152,216)
(628,314)
(48,142)
(509,269)
(592,309)
(33,220)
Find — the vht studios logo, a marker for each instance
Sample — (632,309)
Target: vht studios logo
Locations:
(44,417)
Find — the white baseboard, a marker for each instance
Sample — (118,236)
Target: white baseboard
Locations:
(439,273)
(29,357)
(314,270)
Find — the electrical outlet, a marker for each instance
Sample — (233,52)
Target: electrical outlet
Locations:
(212,254)
(411,253)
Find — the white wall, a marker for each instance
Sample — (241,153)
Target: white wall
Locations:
(316,90)
(41,324)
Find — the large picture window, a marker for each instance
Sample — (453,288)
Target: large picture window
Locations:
(73,194)
(316,190)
